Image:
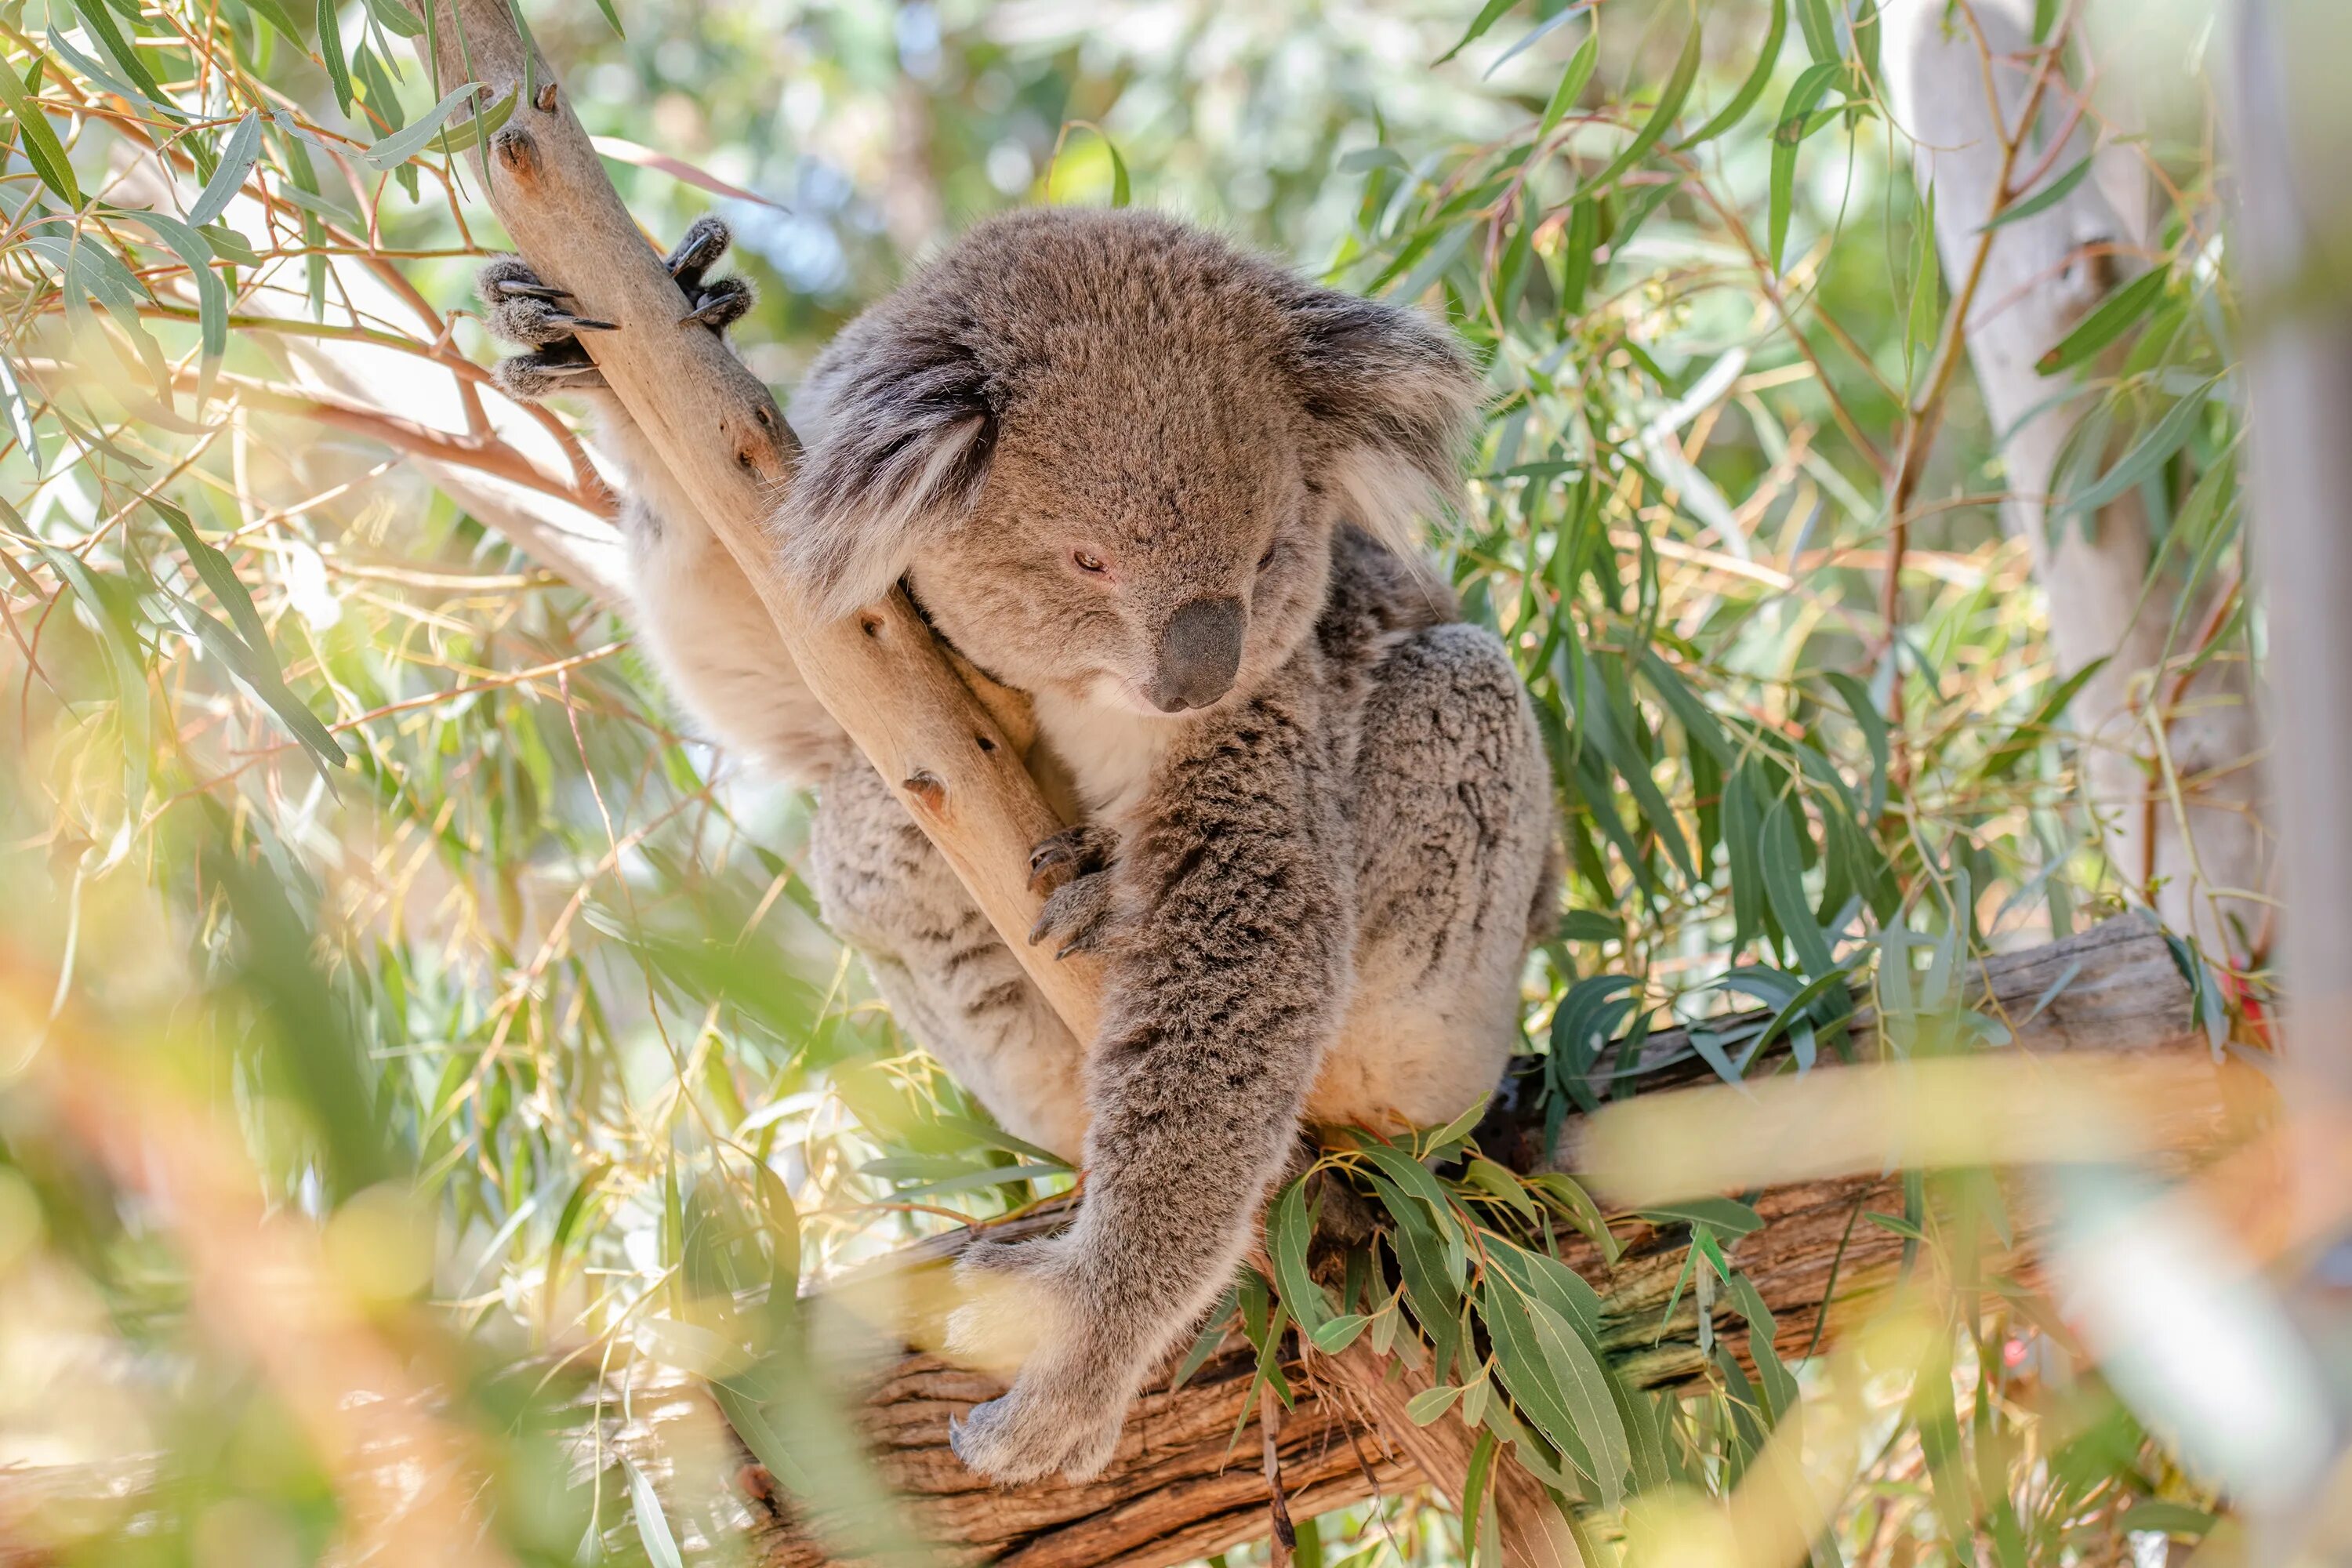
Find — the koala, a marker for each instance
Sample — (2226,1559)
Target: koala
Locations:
(1169,490)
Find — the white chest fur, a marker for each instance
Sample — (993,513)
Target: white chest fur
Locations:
(1109,749)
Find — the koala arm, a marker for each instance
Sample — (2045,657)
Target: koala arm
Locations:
(1227,969)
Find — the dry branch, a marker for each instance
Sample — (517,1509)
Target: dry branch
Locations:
(1166,1498)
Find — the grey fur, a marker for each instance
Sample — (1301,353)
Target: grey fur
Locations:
(1313,895)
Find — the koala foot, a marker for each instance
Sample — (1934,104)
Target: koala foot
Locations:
(1064,1412)
(1073,868)
(522,310)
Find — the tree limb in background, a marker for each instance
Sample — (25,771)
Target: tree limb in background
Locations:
(2168,754)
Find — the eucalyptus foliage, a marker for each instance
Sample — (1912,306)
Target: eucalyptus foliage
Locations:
(362,892)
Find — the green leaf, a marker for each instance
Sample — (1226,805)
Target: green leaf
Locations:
(1726,1217)
(1289,1232)
(20,414)
(275,12)
(1661,119)
(1821,31)
(2042,200)
(1480,1547)
(1571,84)
(1489,14)
(1580,1404)
(404,145)
(1337,1334)
(1873,724)
(2114,317)
(1410,1175)
(1495,1181)
(238,155)
(2169,1518)
(1541,29)
(481,127)
(1752,87)
(1205,1343)
(1794,1009)
(1121,192)
(1796,117)
(1437,1144)
(1784,888)
(1697,720)
(2171,433)
(653,1525)
(126,656)
(42,148)
(2030,732)
(397,19)
(330,50)
(106,79)
(260,673)
(1430,1403)
(1895,1224)
(103,27)
(212,295)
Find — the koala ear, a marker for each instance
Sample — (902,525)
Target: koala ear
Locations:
(900,427)
(1395,391)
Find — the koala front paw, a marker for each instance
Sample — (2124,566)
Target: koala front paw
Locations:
(522,309)
(1066,1409)
(1073,870)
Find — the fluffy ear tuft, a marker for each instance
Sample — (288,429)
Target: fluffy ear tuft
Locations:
(1396,392)
(901,426)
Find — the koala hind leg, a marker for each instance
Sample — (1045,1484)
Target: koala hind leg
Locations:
(1453,834)
(950,981)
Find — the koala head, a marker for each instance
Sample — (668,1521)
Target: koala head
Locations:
(1109,451)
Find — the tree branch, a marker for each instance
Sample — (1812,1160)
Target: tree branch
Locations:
(1169,1495)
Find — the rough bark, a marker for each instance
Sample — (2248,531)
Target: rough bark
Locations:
(2042,274)
(1168,1496)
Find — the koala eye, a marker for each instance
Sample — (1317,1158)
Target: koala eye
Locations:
(1266,559)
(1091,564)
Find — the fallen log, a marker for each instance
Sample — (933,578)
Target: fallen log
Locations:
(1173,1494)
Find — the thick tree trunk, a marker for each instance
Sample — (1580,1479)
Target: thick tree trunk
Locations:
(1170,1494)
(2042,275)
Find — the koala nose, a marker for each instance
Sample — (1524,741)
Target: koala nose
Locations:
(1200,653)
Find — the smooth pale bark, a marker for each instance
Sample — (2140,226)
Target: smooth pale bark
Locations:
(2043,274)
(2293,157)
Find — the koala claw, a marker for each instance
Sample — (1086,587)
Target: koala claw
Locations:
(522,309)
(707,238)
(1079,913)
(1060,1414)
(1025,1436)
(1072,852)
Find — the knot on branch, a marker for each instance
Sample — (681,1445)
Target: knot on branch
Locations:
(517,153)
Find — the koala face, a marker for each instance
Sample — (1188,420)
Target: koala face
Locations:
(1109,452)
(1147,536)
